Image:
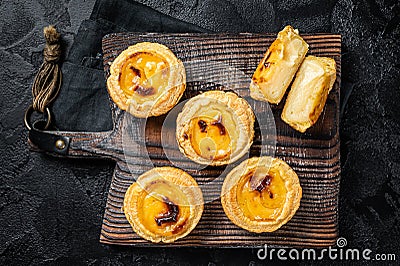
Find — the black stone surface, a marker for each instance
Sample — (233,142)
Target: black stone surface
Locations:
(51,209)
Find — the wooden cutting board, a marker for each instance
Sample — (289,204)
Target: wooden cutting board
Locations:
(314,155)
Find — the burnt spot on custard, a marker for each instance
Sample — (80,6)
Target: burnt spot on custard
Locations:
(185,136)
(264,185)
(203,126)
(218,123)
(135,71)
(143,91)
(171,215)
(267,64)
(179,227)
(139,53)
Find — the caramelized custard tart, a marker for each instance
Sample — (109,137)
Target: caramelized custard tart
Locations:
(146,80)
(278,67)
(215,128)
(309,92)
(163,205)
(261,194)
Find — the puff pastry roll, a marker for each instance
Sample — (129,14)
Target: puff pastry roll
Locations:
(278,67)
(309,92)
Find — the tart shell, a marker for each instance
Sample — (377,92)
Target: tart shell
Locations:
(142,188)
(176,82)
(242,114)
(232,207)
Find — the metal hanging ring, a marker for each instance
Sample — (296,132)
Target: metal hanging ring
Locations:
(28,114)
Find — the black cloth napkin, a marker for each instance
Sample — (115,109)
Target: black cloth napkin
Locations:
(83,103)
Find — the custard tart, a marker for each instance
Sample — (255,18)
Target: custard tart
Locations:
(261,194)
(215,128)
(309,92)
(278,67)
(146,79)
(163,205)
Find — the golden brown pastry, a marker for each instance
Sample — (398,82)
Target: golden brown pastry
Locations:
(261,194)
(146,80)
(163,205)
(309,92)
(215,128)
(278,67)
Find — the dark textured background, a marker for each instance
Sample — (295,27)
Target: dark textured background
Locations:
(51,209)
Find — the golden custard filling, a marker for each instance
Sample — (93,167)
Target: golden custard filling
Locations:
(143,76)
(209,137)
(261,195)
(212,134)
(163,208)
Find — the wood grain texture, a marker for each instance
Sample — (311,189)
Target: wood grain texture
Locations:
(314,155)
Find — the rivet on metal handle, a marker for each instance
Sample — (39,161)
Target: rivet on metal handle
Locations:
(60,144)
